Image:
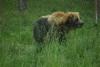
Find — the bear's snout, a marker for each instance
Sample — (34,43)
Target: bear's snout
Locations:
(80,24)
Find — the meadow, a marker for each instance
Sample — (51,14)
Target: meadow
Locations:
(18,47)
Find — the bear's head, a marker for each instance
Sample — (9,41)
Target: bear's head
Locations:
(73,20)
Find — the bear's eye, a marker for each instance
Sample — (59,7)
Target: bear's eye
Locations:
(76,19)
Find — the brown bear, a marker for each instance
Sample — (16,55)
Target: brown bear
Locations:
(60,21)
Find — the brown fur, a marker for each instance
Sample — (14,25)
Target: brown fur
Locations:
(58,18)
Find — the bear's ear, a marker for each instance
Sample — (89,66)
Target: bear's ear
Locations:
(69,16)
(72,15)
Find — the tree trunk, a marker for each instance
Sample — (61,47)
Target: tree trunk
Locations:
(98,7)
(22,5)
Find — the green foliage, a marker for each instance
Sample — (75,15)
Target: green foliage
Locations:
(18,48)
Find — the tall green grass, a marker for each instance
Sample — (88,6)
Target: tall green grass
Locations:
(18,47)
